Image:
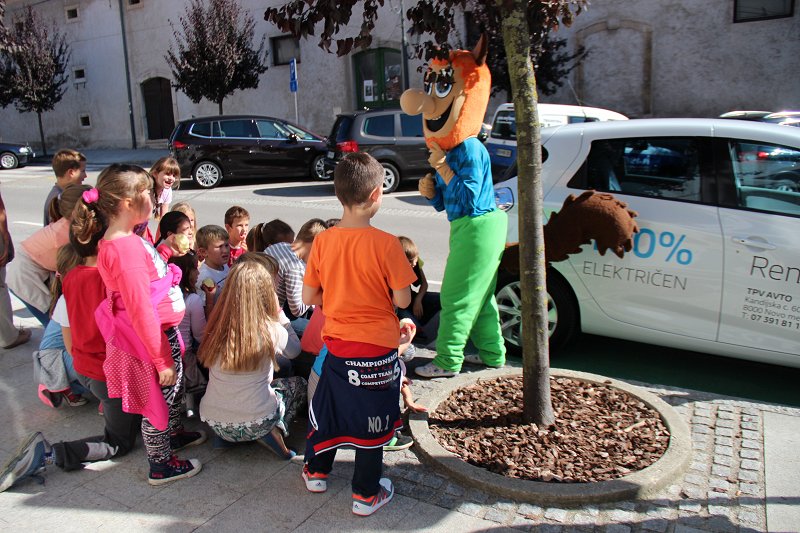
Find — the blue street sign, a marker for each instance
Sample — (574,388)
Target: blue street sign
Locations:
(293,75)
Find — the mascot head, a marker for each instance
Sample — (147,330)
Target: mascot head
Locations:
(455,97)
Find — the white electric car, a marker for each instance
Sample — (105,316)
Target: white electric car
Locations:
(716,263)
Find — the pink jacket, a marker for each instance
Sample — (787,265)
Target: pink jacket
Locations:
(130,373)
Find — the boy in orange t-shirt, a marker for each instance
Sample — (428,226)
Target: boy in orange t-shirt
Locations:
(358,273)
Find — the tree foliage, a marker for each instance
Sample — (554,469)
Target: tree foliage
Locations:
(215,54)
(437,18)
(519,22)
(33,67)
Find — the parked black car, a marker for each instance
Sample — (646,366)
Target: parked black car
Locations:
(389,135)
(15,155)
(209,149)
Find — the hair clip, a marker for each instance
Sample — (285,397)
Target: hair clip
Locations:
(91,196)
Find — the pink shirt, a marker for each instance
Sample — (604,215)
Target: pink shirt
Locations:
(127,266)
(43,245)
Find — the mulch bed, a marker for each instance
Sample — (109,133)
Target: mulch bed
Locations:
(600,433)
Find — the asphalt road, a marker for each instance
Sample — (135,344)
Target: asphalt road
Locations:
(405,213)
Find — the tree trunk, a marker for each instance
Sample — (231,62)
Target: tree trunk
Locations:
(219,104)
(41,133)
(537,404)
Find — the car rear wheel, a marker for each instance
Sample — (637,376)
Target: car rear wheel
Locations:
(318,169)
(391,177)
(8,160)
(207,174)
(561,310)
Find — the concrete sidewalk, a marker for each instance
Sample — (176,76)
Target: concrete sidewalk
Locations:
(743,477)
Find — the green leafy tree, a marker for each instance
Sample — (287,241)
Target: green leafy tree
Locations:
(33,67)
(215,54)
(517,20)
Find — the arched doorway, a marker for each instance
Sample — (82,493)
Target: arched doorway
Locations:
(157,95)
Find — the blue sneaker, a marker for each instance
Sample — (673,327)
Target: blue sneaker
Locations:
(29,460)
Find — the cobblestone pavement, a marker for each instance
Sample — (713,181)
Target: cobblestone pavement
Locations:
(723,489)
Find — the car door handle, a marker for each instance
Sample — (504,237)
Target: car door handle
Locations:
(745,241)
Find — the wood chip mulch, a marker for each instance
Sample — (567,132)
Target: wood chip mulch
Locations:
(600,433)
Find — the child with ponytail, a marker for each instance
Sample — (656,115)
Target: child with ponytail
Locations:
(139,319)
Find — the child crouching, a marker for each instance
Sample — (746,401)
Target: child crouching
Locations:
(242,341)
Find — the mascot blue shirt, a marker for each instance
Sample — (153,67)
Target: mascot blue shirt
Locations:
(470,192)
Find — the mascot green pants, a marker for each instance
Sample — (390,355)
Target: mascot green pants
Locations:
(469,309)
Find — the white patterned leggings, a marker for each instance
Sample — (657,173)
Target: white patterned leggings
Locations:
(156,442)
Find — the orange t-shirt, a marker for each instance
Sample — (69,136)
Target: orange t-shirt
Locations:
(356,268)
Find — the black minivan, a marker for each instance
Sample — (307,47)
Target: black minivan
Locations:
(209,149)
(395,139)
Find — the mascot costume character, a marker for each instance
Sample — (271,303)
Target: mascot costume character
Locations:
(453,104)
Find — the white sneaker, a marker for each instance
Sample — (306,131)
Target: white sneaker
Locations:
(366,506)
(315,482)
(432,371)
(473,359)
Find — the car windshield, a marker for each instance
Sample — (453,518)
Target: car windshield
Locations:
(505,126)
(287,128)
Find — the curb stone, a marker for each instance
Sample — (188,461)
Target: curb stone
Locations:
(644,483)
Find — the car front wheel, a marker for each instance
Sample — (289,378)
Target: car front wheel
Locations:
(207,174)
(562,312)
(391,177)
(8,160)
(318,169)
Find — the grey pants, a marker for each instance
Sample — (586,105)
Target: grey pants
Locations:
(8,332)
(120,432)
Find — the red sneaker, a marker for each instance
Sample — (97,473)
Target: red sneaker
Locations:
(73,400)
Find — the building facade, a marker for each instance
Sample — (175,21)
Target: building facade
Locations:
(119,92)
(685,58)
(646,59)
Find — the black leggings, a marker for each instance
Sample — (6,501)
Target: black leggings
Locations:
(367,473)
(156,442)
(121,429)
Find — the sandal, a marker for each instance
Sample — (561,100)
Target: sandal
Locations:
(23,337)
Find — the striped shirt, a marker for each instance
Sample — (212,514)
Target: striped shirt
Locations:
(471,191)
(289,282)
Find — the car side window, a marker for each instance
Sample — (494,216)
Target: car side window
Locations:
(767,176)
(379,126)
(667,167)
(236,128)
(411,126)
(202,129)
(269,130)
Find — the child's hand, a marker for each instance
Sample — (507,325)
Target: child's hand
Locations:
(167,377)
(407,331)
(418,310)
(416,407)
(209,287)
(178,243)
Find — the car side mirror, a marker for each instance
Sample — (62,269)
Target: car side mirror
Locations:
(292,138)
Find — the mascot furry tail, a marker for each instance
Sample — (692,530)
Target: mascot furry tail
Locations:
(591,216)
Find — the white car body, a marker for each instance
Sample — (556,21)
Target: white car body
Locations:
(716,264)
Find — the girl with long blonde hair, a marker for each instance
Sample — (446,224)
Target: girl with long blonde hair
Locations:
(244,337)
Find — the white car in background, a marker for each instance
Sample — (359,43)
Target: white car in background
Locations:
(501,141)
(716,265)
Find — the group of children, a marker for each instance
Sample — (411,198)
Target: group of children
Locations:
(143,321)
